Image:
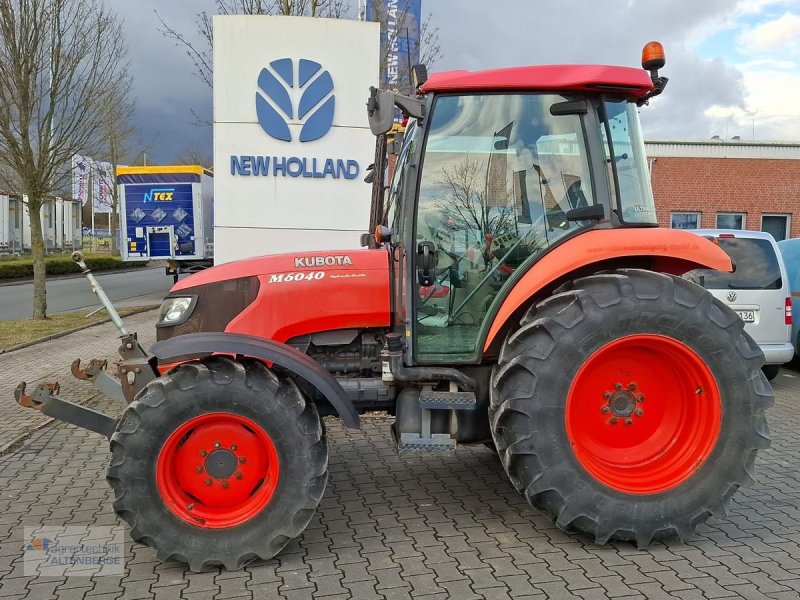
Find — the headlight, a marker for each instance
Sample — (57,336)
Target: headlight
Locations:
(175,310)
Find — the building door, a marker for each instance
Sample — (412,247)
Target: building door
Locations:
(777,225)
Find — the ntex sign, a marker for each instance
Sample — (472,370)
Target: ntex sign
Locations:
(291,136)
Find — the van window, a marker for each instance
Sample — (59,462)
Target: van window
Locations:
(756,267)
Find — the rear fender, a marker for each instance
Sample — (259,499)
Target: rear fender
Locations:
(193,345)
(665,250)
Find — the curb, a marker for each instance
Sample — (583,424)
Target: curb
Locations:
(17,442)
(54,336)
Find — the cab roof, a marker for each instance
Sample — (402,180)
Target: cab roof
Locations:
(625,81)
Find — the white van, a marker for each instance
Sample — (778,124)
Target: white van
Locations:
(758,290)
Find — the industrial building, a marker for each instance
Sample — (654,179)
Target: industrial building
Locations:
(61,224)
(732,184)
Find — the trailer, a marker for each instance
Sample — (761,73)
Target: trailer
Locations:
(166,214)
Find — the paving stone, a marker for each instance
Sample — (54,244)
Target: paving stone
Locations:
(421,527)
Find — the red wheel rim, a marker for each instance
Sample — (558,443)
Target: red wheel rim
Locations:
(217,470)
(643,414)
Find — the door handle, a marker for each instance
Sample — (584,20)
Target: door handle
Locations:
(426,263)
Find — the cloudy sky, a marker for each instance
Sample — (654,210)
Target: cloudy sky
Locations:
(732,64)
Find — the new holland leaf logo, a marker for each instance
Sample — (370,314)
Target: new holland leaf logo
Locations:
(274,106)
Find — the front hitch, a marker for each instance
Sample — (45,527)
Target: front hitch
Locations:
(45,400)
(135,372)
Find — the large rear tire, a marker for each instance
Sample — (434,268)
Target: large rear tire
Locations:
(630,406)
(218,463)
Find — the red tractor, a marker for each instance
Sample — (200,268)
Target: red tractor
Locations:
(516,292)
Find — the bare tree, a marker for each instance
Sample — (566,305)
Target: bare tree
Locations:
(61,63)
(201,53)
(195,154)
(475,199)
(121,144)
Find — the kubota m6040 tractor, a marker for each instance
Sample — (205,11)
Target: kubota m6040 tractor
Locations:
(516,292)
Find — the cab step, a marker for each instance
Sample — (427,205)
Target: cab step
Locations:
(431,400)
(415,443)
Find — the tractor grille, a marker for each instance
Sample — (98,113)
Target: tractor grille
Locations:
(217,304)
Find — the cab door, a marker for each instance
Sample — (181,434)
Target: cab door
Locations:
(499,176)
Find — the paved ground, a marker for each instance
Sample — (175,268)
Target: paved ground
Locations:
(136,286)
(430,528)
(50,362)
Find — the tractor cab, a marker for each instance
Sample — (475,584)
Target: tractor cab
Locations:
(495,170)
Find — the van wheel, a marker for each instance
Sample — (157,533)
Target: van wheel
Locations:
(771,371)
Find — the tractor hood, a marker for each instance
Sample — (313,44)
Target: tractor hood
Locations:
(283,296)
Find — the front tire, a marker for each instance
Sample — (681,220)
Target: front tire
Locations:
(218,463)
(630,406)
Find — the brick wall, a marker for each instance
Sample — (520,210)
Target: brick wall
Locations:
(712,185)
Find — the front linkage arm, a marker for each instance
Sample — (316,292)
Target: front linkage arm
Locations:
(45,400)
(135,371)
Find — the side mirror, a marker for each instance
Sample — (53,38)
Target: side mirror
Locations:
(426,263)
(380,109)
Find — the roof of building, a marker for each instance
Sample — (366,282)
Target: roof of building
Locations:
(587,78)
(162,169)
(720,148)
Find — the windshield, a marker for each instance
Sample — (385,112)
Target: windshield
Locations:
(627,164)
(500,172)
(756,267)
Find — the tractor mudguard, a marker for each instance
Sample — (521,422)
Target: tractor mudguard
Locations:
(673,251)
(287,357)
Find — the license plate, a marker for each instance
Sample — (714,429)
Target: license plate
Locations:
(748,316)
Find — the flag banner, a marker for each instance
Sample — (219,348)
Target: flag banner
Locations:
(81,167)
(102,180)
(400,38)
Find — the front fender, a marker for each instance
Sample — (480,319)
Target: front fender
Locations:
(671,250)
(287,357)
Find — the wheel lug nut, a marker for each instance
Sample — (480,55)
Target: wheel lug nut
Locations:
(617,386)
(208,481)
(605,409)
(606,395)
(640,398)
(613,421)
(628,421)
(224,484)
(203,452)
(639,412)
(631,386)
(190,506)
(217,444)
(199,469)
(238,475)
(233,446)
(242,459)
